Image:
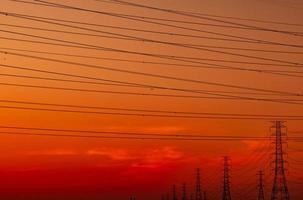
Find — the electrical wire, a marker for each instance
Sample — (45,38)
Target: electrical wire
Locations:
(153,75)
(182,13)
(143,19)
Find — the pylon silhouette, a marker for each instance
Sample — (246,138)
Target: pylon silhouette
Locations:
(174,193)
(167,196)
(191,196)
(198,185)
(279,188)
(184,192)
(261,186)
(226,183)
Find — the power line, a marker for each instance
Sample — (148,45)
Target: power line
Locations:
(130,84)
(127,37)
(133,93)
(130,138)
(143,114)
(231,17)
(143,19)
(152,18)
(124,85)
(114,83)
(31,17)
(238,25)
(163,56)
(153,75)
(194,135)
(273,72)
(149,110)
(115,137)
(159,42)
(287,101)
(136,61)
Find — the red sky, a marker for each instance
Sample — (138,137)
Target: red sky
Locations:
(33,167)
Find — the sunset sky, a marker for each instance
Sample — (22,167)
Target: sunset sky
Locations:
(212,65)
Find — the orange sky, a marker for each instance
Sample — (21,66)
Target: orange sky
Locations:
(95,166)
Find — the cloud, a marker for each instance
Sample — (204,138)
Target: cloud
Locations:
(55,152)
(163,154)
(149,158)
(114,154)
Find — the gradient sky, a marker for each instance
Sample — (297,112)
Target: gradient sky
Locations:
(47,168)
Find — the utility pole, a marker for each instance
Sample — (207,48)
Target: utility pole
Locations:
(174,193)
(184,193)
(279,188)
(261,186)
(198,185)
(204,195)
(226,183)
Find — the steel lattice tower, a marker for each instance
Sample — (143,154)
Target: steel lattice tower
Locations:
(167,196)
(174,193)
(184,192)
(261,186)
(226,182)
(198,185)
(279,188)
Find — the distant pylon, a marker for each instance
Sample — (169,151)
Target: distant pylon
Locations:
(167,196)
(191,196)
(174,193)
(261,186)
(226,195)
(198,185)
(279,188)
(184,192)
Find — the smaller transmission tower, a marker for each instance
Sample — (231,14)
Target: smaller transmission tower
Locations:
(132,198)
(261,186)
(198,185)
(167,196)
(184,192)
(174,193)
(226,179)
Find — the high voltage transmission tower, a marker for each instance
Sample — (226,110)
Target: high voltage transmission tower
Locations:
(226,179)
(279,189)
(184,192)
(204,195)
(198,185)
(132,198)
(261,186)
(167,196)
(174,193)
